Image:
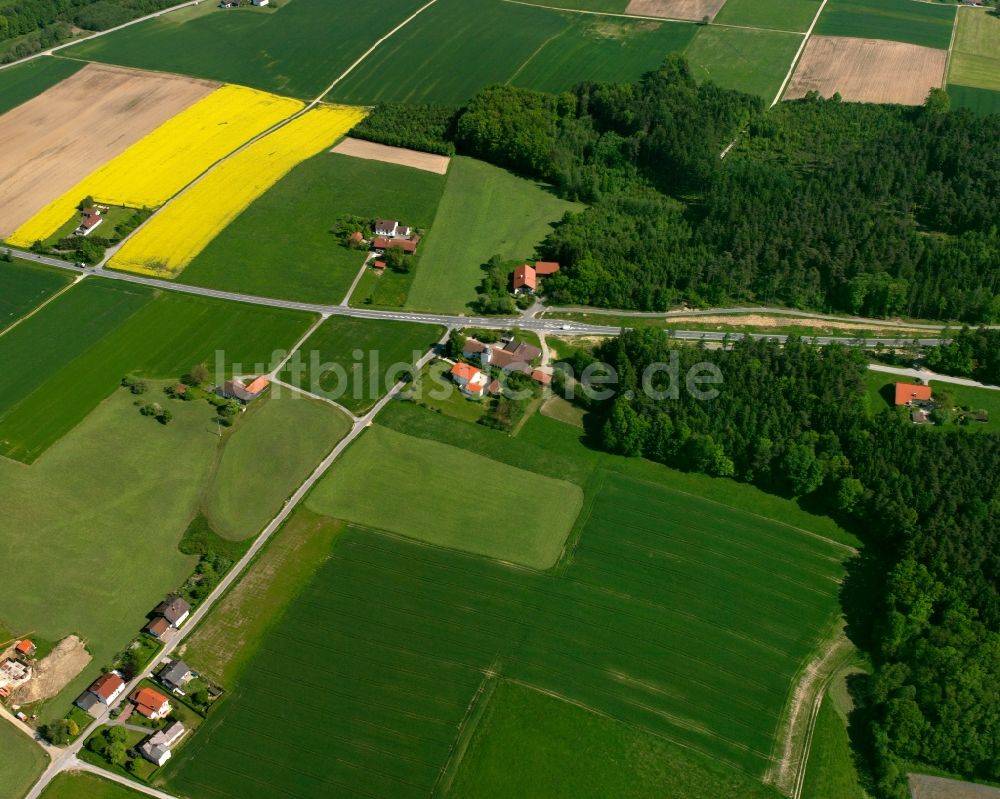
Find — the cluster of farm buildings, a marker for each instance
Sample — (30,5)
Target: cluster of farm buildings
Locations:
(507,356)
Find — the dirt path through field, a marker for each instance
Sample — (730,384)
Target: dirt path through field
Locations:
(358,148)
(56,139)
(754,320)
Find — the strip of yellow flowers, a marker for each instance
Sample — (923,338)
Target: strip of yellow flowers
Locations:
(181,230)
(162,163)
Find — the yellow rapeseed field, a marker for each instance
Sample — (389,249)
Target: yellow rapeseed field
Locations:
(182,229)
(159,165)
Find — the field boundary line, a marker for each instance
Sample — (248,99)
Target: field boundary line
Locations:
(297,345)
(37,308)
(643,17)
(798,55)
(951,48)
(532,57)
(467,728)
(371,50)
(846,547)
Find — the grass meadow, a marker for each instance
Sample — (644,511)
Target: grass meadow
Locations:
(118,330)
(926,24)
(348,359)
(281,246)
(458,47)
(78,785)
(782,15)
(282,438)
(831,770)
(24,286)
(879,388)
(22,763)
(21,83)
(975,59)
(297,50)
(981,101)
(562,749)
(449,497)
(485,211)
(753,61)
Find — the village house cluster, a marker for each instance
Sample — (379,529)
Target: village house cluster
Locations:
(507,356)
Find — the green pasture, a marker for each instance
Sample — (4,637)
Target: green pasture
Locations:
(22,763)
(485,211)
(281,246)
(980,101)
(298,51)
(880,397)
(119,329)
(282,439)
(356,361)
(78,785)
(435,389)
(564,750)
(752,61)
(975,58)
(24,286)
(449,497)
(21,83)
(927,24)
(831,771)
(782,15)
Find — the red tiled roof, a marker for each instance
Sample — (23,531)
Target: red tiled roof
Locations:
(105,685)
(473,345)
(148,701)
(407,245)
(258,385)
(524,277)
(157,626)
(541,377)
(379,264)
(26,647)
(907,392)
(543,268)
(464,371)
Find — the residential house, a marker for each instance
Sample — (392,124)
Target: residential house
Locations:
(151,704)
(89,222)
(241,392)
(391,228)
(157,627)
(511,355)
(108,687)
(525,280)
(175,675)
(174,609)
(912,394)
(382,243)
(471,381)
(473,348)
(157,748)
(87,702)
(26,648)
(540,377)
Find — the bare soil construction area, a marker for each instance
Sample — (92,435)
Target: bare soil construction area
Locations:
(868,70)
(56,139)
(54,672)
(695,10)
(358,148)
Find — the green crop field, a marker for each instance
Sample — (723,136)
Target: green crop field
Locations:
(981,101)
(457,47)
(831,771)
(283,438)
(22,763)
(281,246)
(749,60)
(927,24)
(782,15)
(419,488)
(24,286)
(297,50)
(485,211)
(683,618)
(975,59)
(162,338)
(352,360)
(77,785)
(21,83)
(562,749)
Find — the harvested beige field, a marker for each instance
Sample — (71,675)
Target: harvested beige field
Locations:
(925,787)
(370,151)
(54,672)
(868,70)
(55,140)
(695,10)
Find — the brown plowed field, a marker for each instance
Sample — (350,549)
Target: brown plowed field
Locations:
(358,148)
(867,70)
(55,140)
(696,10)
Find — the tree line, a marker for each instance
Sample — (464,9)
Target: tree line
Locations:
(924,598)
(972,353)
(819,204)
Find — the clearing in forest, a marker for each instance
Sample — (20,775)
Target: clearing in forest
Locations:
(56,139)
(867,70)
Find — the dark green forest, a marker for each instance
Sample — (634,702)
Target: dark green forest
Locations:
(38,24)
(924,598)
(972,353)
(820,204)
